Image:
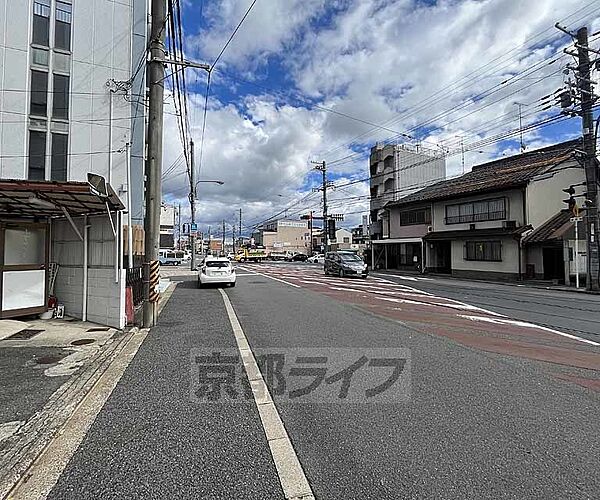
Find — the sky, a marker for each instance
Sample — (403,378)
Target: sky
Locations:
(322,80)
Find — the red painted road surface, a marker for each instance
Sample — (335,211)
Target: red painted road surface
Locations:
(568,357)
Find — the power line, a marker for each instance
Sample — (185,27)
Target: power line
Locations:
(232,35)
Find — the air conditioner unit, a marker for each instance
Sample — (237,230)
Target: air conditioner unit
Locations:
(509,224)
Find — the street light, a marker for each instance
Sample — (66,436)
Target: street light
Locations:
(193,195)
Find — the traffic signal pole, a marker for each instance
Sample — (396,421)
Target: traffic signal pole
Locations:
(590,161)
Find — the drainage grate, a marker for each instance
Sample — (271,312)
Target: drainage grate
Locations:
(24,334)
(83,341)
(97,329)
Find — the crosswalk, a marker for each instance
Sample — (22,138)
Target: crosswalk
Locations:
(433,314)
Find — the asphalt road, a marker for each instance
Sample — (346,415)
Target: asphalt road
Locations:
(480,420)
(574,312)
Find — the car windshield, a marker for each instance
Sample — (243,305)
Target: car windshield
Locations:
(350,257)
(217,263)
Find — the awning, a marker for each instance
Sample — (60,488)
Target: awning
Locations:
(554,229)
(23,198)
(396,240)
(496,232)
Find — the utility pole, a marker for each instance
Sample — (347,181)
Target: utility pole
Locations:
(153,168)
(179,227)
(310,226)
(240,235)
(192,205)
(520,105)
(322,166)
(223,244)
(590,161)
(233,238)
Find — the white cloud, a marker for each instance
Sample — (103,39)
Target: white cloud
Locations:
(373,59)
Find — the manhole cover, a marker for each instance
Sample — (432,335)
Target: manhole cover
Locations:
(97,329)
(83,341)
(47,360)
(24,334)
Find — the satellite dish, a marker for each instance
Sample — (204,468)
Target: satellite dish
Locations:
(97,185)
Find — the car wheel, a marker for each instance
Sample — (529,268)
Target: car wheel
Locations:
(341,274)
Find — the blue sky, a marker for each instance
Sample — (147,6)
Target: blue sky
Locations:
(312,80)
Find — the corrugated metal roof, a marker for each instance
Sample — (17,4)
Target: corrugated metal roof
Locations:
(504,173)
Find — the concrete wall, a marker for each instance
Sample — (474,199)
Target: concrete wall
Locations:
(545,196)
(105,298)
(101,49)
(514,211)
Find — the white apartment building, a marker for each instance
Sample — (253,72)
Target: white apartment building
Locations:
(398,170)
(72,86)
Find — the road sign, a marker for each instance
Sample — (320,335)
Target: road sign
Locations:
(193,227)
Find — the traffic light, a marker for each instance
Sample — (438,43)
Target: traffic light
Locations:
(570,201)
(331,229)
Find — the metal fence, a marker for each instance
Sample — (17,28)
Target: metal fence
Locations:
(136,282)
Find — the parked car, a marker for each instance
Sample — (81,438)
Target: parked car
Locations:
(317,259)
(299,257)
(345,264)
(216,270)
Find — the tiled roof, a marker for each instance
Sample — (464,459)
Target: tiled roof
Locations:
(504,173)
(553,228)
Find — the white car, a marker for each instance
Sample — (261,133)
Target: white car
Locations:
(317,259)
(216,270)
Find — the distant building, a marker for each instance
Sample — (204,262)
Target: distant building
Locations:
(396,171)
(285,235)
(167,226)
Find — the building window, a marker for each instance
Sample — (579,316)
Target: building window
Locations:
(62,27)
(346,239)
(59,157)
(41,22)
(37,156)
(476,211)
(60,98)
(483,250)
(412,217)
(39,57)
(39,93)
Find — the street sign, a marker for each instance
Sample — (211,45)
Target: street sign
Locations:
(194,227)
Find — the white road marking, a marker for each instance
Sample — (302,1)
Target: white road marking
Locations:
(291,475)
(277,279)
(512,322)
(403,277)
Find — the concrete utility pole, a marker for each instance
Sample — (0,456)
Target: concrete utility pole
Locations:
(179,227)
(233,238)
(323,168)
(223,247)
(192,205)
(240,234)
(156,74)
(590,161)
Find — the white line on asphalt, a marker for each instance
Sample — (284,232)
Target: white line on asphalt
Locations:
(277,279)
(525,324)
(291,475)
